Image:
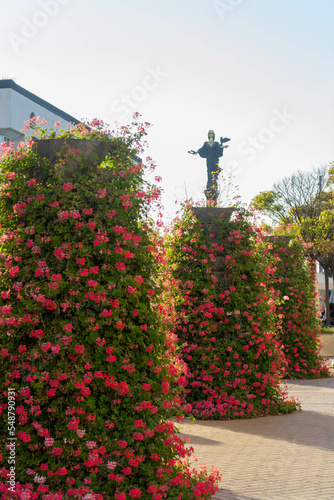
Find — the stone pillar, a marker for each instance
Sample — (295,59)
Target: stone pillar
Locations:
(209,218)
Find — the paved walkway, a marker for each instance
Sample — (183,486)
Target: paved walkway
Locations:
(327,346)
(286,457)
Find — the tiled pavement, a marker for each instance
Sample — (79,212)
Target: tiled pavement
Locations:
(286,457)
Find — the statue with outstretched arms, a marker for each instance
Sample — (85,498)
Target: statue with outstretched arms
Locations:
(212,151)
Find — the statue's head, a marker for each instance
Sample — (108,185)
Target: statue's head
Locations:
(211,134)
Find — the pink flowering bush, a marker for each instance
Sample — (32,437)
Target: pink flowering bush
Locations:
(219,290)
(297,315)
(82,343)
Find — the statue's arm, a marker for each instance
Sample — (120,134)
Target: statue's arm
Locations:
(222,141)
(201,151)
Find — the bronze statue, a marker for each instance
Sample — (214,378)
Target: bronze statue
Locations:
(212,151)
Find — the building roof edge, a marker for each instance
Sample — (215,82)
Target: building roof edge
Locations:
(10,84)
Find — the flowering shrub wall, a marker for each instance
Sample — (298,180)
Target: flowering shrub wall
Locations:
(296,308)
(221,290)
(82,347)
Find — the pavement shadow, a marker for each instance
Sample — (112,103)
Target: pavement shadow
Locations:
(226,494)
(318,382)
(306,428)
(201,440)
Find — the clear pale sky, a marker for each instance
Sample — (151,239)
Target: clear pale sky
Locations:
(257,71)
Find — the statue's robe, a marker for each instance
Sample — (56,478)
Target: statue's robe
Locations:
(212,155)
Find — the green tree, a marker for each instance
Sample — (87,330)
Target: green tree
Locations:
(294,198)
(305,201)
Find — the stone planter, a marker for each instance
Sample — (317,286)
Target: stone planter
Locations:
(93,150)
(207,217)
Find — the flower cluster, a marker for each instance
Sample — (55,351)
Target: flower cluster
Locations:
(81,339)
(220,288)
(296,315)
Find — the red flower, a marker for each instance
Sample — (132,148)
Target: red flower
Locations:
(68,328)
(106,312)
(120,266)
(62,471)
(66,340)
(79,349)
(120,496)
(24,436)
(138,436)
(139,423)
(37,333)
(73,423)
(50,392)
(135,493)
(13,271)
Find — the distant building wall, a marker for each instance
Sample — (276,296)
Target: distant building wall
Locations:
(17,105)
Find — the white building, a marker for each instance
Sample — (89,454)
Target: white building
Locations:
(321,283)
(17,105)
